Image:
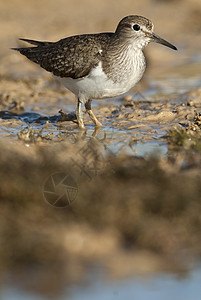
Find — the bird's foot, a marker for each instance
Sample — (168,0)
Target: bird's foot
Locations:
(91,114)
(80,124)
(94,119)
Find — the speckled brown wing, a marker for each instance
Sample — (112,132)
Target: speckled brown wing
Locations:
(70,57)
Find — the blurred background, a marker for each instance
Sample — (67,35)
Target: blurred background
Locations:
(134,230)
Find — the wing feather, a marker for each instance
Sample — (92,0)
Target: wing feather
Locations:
(70,57)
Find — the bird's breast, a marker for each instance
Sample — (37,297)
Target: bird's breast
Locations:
(109,79)
(125,67)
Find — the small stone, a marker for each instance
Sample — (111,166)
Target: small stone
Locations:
(128,101)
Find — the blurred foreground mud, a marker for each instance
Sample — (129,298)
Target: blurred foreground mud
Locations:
(129,214)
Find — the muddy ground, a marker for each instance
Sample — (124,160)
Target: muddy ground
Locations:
(125,198)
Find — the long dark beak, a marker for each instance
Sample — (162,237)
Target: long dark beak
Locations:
(158,39)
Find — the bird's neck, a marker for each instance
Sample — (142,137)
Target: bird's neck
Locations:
(123,58)
(119,43)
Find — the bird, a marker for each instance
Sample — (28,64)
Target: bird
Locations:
(100,65)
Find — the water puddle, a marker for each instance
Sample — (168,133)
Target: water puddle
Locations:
(156,288)
(161,286)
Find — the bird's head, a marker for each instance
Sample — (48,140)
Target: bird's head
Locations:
(139,30)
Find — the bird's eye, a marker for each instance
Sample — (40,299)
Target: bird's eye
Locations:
(136,27)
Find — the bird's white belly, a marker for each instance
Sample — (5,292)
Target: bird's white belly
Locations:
(96,85)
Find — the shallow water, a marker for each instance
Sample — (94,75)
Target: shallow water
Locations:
(158,287)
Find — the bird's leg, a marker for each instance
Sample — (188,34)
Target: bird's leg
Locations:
(79,114)
(91,114)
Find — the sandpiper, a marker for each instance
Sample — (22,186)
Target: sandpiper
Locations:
(97,66)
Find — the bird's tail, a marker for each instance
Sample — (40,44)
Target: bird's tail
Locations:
(33,42)
(33,53)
